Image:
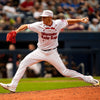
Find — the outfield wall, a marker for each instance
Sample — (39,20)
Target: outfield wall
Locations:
(70,39)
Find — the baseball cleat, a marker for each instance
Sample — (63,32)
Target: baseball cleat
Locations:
(95,82)
(8,87)
(91,80)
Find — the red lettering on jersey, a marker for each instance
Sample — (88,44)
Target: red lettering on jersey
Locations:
(53,28)
(50,28)
(47,28)
(49,35)
(46,38)
(53,37)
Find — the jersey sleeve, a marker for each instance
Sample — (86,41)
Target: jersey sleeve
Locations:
(34,27)
(62,23)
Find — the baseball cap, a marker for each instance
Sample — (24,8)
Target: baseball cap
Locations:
(47,13)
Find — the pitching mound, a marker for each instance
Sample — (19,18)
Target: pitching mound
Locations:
(79,93)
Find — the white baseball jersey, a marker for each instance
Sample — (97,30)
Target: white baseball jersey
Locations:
(48,35)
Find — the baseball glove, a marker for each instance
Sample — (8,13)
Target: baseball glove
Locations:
(11,37)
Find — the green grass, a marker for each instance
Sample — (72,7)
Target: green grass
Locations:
(36,84)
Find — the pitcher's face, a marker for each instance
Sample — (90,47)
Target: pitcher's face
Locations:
(47,20)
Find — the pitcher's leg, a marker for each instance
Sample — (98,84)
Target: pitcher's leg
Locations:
(30,59)
(56,61)
(21,70)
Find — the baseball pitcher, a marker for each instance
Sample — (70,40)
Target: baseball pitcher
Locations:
(48,31)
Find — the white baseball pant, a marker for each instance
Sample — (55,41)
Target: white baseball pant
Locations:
(52,57)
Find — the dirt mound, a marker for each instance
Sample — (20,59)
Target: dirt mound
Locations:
(79,93)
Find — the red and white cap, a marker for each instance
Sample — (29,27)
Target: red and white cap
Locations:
(47,13)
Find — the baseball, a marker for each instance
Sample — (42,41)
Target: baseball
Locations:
(85,20)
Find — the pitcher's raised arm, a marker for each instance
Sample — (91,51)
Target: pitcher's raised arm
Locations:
(73,21)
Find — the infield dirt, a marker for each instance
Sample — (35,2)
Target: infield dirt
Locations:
(79,93)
